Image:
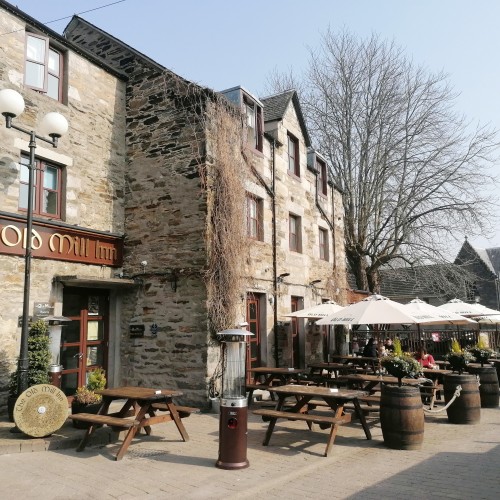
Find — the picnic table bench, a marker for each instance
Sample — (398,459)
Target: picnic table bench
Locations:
(334,400)
(143,403)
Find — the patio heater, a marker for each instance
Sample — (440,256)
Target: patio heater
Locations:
(55,369)
(233,406)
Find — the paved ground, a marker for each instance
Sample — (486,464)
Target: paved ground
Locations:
(455,462)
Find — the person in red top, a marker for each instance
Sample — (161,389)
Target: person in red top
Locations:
(425,359)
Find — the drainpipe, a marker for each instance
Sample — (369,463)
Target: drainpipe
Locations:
(275,253)
(271,191)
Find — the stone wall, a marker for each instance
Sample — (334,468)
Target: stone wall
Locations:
(165,217)
(93,157)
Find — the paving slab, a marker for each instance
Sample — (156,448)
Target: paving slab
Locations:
(455,461)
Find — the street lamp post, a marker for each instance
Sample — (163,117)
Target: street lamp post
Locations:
(54,125)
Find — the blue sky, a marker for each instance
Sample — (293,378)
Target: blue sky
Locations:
(223,43)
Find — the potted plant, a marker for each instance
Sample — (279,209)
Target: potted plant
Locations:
(39,358)
(400,365)
(401,409)
(458,358)
(86,400)
(481,352)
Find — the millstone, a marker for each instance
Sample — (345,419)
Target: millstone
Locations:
(41,410)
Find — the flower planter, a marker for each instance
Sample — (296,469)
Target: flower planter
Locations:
(402,417)
(488,388)
(466,409)
(77,407)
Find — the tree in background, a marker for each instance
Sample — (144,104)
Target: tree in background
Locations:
(414,172)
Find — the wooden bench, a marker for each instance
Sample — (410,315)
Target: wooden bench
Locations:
(183,411)
(324,422)
(306,417)
(256,387)
(92,418)
(367,404)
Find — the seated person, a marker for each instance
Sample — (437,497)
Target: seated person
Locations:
(370,349)
(389,346)
(426,360)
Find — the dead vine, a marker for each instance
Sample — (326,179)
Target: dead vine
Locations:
(218,147)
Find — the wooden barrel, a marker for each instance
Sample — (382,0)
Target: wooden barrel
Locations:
(402,417)
(466,409)
(488,388)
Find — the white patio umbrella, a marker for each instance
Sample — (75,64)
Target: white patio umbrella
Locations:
(493,319)
(487,311)
(458,306)
(417,306)
(318,311)
(377,310)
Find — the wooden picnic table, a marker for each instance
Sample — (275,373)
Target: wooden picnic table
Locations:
(317,372)
(369,383)
(333,402)
(143,407)
(373,363)
(264,377)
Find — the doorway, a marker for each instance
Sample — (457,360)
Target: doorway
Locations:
(295,306)
(85,339)
(253,320)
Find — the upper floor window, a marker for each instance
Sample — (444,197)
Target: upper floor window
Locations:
(43,66)
(253,114)
(47,188)
(254,218)
(294,233)
(323,244)
(293,155)
(322,177)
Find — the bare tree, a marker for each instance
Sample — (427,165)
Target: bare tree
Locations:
(414,173)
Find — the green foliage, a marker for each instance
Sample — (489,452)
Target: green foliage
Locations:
(96,380)
(457,357)
(86,396)
(400,365)
(398,350)
(39,357)
(481,352)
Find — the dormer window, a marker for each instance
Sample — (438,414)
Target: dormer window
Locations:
(322,177)
(44,66)
(293,155)
(253,114)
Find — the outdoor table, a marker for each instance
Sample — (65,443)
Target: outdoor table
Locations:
(265,377)
(143,403)
(368,383)
(373,363)
(333,370)
(334,400)
(442,362)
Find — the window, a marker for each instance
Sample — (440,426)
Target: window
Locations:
(294,233)
(322,177)
(254,218)
(47,188)
(293,155)
(254,123)
(43,66)
(323,244)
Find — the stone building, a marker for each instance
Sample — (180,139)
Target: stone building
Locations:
(181,212)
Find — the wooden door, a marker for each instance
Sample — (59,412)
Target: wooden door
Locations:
(295,358)
(253,315)
(84,341)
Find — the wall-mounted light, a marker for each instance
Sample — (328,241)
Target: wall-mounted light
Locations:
(271,300)
(280,278)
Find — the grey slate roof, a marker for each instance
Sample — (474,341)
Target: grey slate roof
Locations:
(275,107)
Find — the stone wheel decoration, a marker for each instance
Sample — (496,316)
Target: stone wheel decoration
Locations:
(41,410)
